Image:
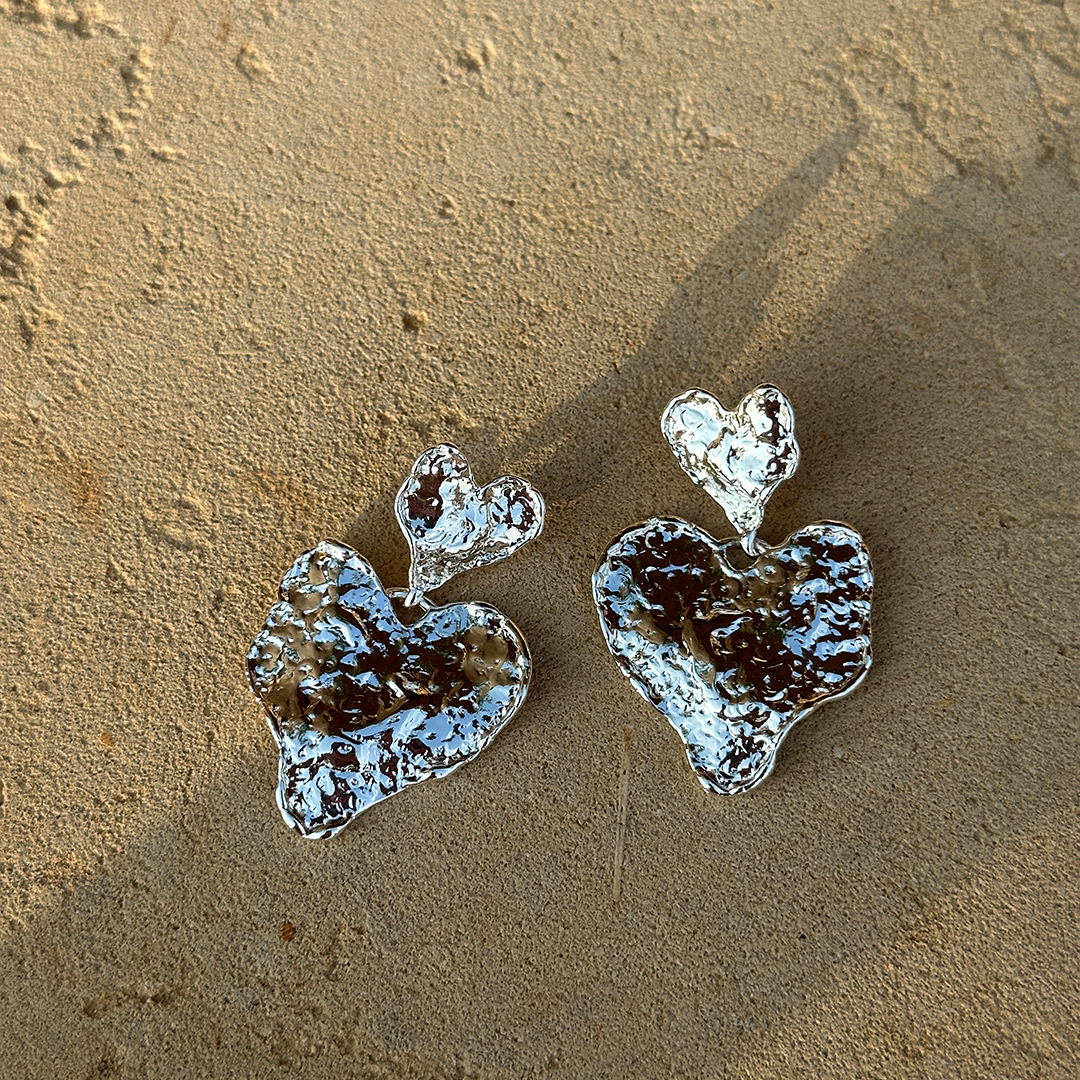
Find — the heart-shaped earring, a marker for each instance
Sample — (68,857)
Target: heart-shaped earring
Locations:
(368,691)
(732,640)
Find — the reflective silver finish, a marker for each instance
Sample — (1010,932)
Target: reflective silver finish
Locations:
(363,705)
(738,457)
(733,641)
(368,691)
(453,526)
(734,657)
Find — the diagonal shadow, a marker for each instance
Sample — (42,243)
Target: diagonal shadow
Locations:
(721,301)
(603,432)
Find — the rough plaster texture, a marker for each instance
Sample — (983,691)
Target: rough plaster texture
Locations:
(255,256)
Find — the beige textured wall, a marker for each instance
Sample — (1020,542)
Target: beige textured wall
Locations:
(215,221)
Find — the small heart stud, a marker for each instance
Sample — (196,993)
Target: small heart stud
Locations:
(453,526)
(738,457)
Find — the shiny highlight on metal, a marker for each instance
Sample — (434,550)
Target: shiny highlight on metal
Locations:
(453,526)
(735,641)
(368,691)
(738,457)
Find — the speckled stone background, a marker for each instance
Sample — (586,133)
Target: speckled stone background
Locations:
(256,256)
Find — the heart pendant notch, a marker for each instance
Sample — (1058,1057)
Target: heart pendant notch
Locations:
(363,705)
(733,654)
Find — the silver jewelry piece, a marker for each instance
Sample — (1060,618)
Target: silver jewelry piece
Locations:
(367,690)
(732,640)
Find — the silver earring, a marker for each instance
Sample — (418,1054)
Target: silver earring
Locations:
(368,691)
(732,640)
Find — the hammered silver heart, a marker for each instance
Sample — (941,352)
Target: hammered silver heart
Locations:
(363,705)
(738,457)
(735,656)
(452,525)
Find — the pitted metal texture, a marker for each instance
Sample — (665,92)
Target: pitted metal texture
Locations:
(452,525)
(362,704)
(735,650)
(738,457)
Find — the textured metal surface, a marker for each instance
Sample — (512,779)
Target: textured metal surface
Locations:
(362,705)
(738,457)
(453,526)
(734,654)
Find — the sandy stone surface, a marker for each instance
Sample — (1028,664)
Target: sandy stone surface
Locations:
(256,256)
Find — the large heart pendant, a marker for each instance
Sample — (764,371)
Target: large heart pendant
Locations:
(733,641)
(369,691)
